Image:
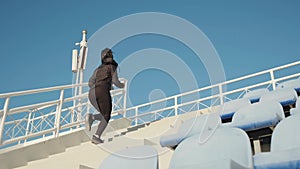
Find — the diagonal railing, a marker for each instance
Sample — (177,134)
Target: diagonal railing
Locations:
(65,113)
(207,97)
(49,113)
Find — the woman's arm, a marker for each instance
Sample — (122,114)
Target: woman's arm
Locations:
(115,80)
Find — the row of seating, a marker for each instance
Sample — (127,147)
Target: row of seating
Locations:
(257,109)
(230,148)
(285,96)
(226,148)
(206,142)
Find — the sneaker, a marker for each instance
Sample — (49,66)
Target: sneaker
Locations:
(96,140)
(89,121)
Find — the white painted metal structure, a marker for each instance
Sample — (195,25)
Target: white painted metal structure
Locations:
(57,117)
(50,118)
(44,114)
(20,124)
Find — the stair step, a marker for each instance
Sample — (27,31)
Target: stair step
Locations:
(84,167)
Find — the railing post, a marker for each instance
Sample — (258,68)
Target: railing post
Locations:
(58,113)
(273,79)
(136,116)
(5,108)
(74,95)
(88,107)
(221,94)
(176,105)
(79,112)
(125,99)
(28,124)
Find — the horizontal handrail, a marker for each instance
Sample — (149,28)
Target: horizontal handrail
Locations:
(31,135)
(271,81)
(261,73)
(47,118)
(43,90)
(25,108)
(72,114)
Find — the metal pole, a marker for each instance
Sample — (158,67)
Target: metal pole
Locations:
(272,79)
(221,94)
(83,56)
(176,105)
(82,64)
(125,99)
(3,118)
(136,114)
(28,124)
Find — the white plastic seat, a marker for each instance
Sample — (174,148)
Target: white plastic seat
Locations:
(285,146)
(227,109)
(255,95)
(227,148)
(145,157)
(258,115)
(293,83)
(296,109)
(286,96)
(205,123)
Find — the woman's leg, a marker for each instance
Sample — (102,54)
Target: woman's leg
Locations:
(98,117)
(93,99)
(104,103)
(89,119)
(105,109)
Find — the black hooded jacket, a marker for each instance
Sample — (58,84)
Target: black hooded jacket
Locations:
(105,75)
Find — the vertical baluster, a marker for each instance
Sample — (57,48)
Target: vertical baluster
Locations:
(2,119)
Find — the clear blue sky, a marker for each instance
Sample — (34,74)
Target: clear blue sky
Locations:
(37,38)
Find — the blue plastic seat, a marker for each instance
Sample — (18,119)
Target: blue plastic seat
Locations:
(205,124)
(145,157)
(294,83)
(285,147)
(227,148)
(258,115)
(227,109)
(254,95)
(285,96)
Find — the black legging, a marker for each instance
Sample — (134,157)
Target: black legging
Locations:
(101,100)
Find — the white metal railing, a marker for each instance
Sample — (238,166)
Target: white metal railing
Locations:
(219,93)
(60,112)
(66,112)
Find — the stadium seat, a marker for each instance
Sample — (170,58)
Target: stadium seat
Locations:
(227,148)
(227,109)
(294,83)
(205,124)
(145,157)
(285,147)
(285,96)
(296,110)
(258,115)
(254,95)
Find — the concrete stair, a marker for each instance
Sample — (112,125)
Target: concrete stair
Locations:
(43,148)
(74,150)
(21,155)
